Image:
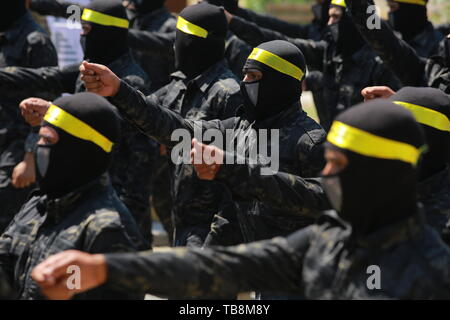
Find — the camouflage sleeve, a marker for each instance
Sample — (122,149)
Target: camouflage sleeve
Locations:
(6,262)
(155,43)
(217,272)
(395,53)
(52,7)
(154,120)
(40,51)
(112,240)
(46,83)
(280,190)
(32,140)
(255,35)
(292,30)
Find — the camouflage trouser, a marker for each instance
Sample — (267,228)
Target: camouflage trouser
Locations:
(143,219)
(161,197)
(11,199)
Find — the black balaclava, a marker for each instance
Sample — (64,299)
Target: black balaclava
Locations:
(105,42)
(409,19)
(200,38)
(143,7)
(11,11)
(230,5)
(344,35)
(378,186)
(436,125)
(75,161)
(277,90)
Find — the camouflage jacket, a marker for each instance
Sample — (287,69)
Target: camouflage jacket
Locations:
(5,289)
(406,260)
(283,192)
(158,67)
(343,79)
(135,153)
(91,219)
(399,56)
(213,95)
(434,194)
(25,44)
(310,31)
(300,139)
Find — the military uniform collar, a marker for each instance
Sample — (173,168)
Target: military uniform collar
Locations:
(56,208)
(422,40)
(392,234)
(205,80)
(279,120)
(434,183)
(17,28)
(121,61)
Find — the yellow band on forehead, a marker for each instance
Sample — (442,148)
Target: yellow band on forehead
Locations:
(418,2)
(427,116)
(370,145)
(190,28)
(277,63)
(339,3)
(77,128)
(104,19)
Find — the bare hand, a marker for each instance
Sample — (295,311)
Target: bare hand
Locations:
(52,274)
(33,110)
(99,79)
(371,93)
(207,160)
(24,174)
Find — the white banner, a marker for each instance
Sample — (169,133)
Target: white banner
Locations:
(66,38)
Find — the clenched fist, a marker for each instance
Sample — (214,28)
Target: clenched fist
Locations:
(33,110)
(99,79)
(207,160)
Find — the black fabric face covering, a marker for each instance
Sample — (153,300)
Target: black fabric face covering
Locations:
(230,5)
(104,44)
(10,12)
(143,7)
(194,55)
(72,162)
(276,91)
(345,36)
(369,192)
(438,154)
(409,20)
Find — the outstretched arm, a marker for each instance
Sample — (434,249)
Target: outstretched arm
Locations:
(274,265)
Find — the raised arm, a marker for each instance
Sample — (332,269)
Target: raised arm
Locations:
(395,53)
(255,35)
(53,7)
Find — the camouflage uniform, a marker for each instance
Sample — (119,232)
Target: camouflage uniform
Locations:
(321,262)
(213,95)
(400,57)
(310,31)
(300,148)
(25,44)
(91,219)
(434,194)
(342,80)
(133,158)
(5,289)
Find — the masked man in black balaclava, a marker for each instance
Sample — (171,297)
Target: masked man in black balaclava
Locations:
(203,89)
(23,43)
(431,108)
(347,64)
(103,38)
(271,90)
(75,206)
(377,245)
(409,18)
(402,58)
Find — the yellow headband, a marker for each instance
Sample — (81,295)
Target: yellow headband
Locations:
(370,145)
(104,19)
(427,116)
(418,2)
(339,3)
(77,128)
(190,28)
(277,63)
